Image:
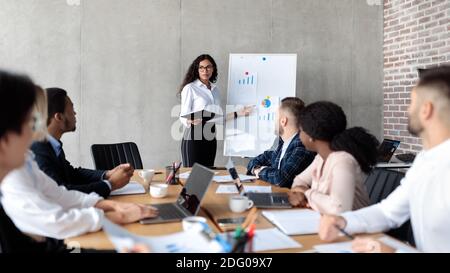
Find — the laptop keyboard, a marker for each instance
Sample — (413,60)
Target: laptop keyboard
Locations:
(169,211)
(260,198)
(268,199)
(280,199)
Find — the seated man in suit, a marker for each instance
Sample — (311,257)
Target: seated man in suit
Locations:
(280,166)
(51,159)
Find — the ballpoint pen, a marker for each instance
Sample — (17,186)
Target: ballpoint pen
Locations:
(344,232)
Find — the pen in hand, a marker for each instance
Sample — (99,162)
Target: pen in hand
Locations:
(344,232)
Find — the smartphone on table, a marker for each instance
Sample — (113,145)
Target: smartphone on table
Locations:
(230,223)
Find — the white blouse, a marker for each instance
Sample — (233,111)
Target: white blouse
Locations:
(37,205)
(196,96)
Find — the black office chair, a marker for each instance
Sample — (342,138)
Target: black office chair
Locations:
(108,156)
(380,183)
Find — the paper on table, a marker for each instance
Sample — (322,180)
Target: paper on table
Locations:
(131,188)
(294,221)
(227,178)
(271,239)
(226,189)
(345,247)
(258,189)
(399,246)
(231,189)
(181,242)
(184,175)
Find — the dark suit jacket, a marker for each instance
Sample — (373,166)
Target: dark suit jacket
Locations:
(63,173)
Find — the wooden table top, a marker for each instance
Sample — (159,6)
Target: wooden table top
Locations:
(213,207)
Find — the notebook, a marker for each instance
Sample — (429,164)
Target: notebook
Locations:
(294,221)
(131,188)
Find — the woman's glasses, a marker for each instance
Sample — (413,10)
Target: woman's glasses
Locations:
(204,68)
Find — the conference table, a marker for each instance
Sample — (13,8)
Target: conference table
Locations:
(214,206)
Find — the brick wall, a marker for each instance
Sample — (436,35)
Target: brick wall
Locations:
(416,35)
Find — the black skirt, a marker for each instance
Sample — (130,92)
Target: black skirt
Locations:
(199,145)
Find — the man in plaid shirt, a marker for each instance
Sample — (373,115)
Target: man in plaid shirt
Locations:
(279,166)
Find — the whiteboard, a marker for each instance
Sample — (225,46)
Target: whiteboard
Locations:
(262,80)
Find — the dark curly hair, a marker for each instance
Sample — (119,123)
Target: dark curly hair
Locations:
(192,72)
(326,121)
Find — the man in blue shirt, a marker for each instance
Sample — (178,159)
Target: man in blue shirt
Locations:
(280,165)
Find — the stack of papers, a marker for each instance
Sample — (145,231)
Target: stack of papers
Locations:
(227,178)
(131,188)
(231,189)
(294,221)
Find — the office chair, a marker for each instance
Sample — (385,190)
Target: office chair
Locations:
(108,156)
(379,184)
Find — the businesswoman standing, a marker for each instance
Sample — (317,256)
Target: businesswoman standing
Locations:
(199,92)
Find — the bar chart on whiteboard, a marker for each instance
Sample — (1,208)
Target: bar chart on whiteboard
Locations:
(259,80)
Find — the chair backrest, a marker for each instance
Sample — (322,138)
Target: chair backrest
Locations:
(108,156)
(380,183)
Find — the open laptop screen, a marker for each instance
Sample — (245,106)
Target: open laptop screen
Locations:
(387,149)
(195,188)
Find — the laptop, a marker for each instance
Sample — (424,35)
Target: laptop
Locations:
(272,200)
(387,150)
(188,202)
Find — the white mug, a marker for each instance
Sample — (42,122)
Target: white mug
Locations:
(159,190)
(239,203)
(147,175)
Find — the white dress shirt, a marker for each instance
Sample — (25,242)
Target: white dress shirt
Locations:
(37,205)
(423,196)
(284,148)
(196,96)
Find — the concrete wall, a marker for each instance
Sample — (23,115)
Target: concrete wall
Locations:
(122,61)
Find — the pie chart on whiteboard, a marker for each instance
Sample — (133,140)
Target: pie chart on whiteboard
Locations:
(266,103)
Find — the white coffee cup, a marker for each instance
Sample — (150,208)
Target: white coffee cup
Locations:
(147,175)
(239,203)
(159,190)
(193,223)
